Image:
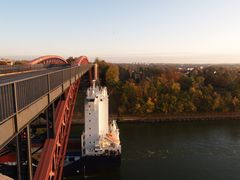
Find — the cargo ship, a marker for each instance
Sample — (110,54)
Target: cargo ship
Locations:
(100,142)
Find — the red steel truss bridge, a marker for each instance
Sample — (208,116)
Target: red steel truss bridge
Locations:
(46,87)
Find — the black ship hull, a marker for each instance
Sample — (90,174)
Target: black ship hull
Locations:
(90,165)
(98,163)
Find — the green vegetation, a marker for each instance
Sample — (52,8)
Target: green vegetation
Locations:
(146,89)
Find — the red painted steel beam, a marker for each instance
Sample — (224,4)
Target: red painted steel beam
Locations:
(49,59)
(53,59)
(82,60)
(54,150)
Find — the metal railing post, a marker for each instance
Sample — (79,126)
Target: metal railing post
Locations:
(18,148)
(70,76)
(53,121)
(62,80)
(49,88)
(15,106)
(29,153)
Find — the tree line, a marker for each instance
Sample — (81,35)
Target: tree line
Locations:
(156,88)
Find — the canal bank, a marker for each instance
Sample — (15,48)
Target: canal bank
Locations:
(181,117)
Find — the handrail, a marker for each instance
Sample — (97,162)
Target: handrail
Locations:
(26,67)
(35,76)
(27,89)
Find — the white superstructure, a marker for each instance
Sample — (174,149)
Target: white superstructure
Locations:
(100,137)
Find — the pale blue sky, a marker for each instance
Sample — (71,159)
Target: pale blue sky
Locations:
(126,28)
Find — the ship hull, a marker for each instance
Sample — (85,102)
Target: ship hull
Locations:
(98,163)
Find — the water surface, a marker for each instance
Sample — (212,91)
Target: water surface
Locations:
(203,150)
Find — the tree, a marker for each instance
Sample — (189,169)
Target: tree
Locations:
(236,104)
(70,60)
(129,97)
(102,67)
(186,82)
(150,105)
(175,87)
(142,88)
(3,63)
(112,75)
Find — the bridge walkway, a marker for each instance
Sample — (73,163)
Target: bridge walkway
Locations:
(24,96)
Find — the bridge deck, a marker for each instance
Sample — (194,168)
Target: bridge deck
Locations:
(23,75)
(24,96)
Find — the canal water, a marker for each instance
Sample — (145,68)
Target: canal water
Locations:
(203,150)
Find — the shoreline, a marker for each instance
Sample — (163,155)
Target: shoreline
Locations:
(154,118)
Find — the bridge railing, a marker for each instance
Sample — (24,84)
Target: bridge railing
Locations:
(25,67)
(18,95)
(6,101)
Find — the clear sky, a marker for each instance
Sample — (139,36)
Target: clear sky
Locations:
(120,28)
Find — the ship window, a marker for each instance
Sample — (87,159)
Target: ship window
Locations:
(90,100)
(100,99)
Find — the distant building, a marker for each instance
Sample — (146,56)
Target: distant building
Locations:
(190,68)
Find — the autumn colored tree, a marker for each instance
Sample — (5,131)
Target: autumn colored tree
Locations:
(112,75)
(102,67)
(151,88)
